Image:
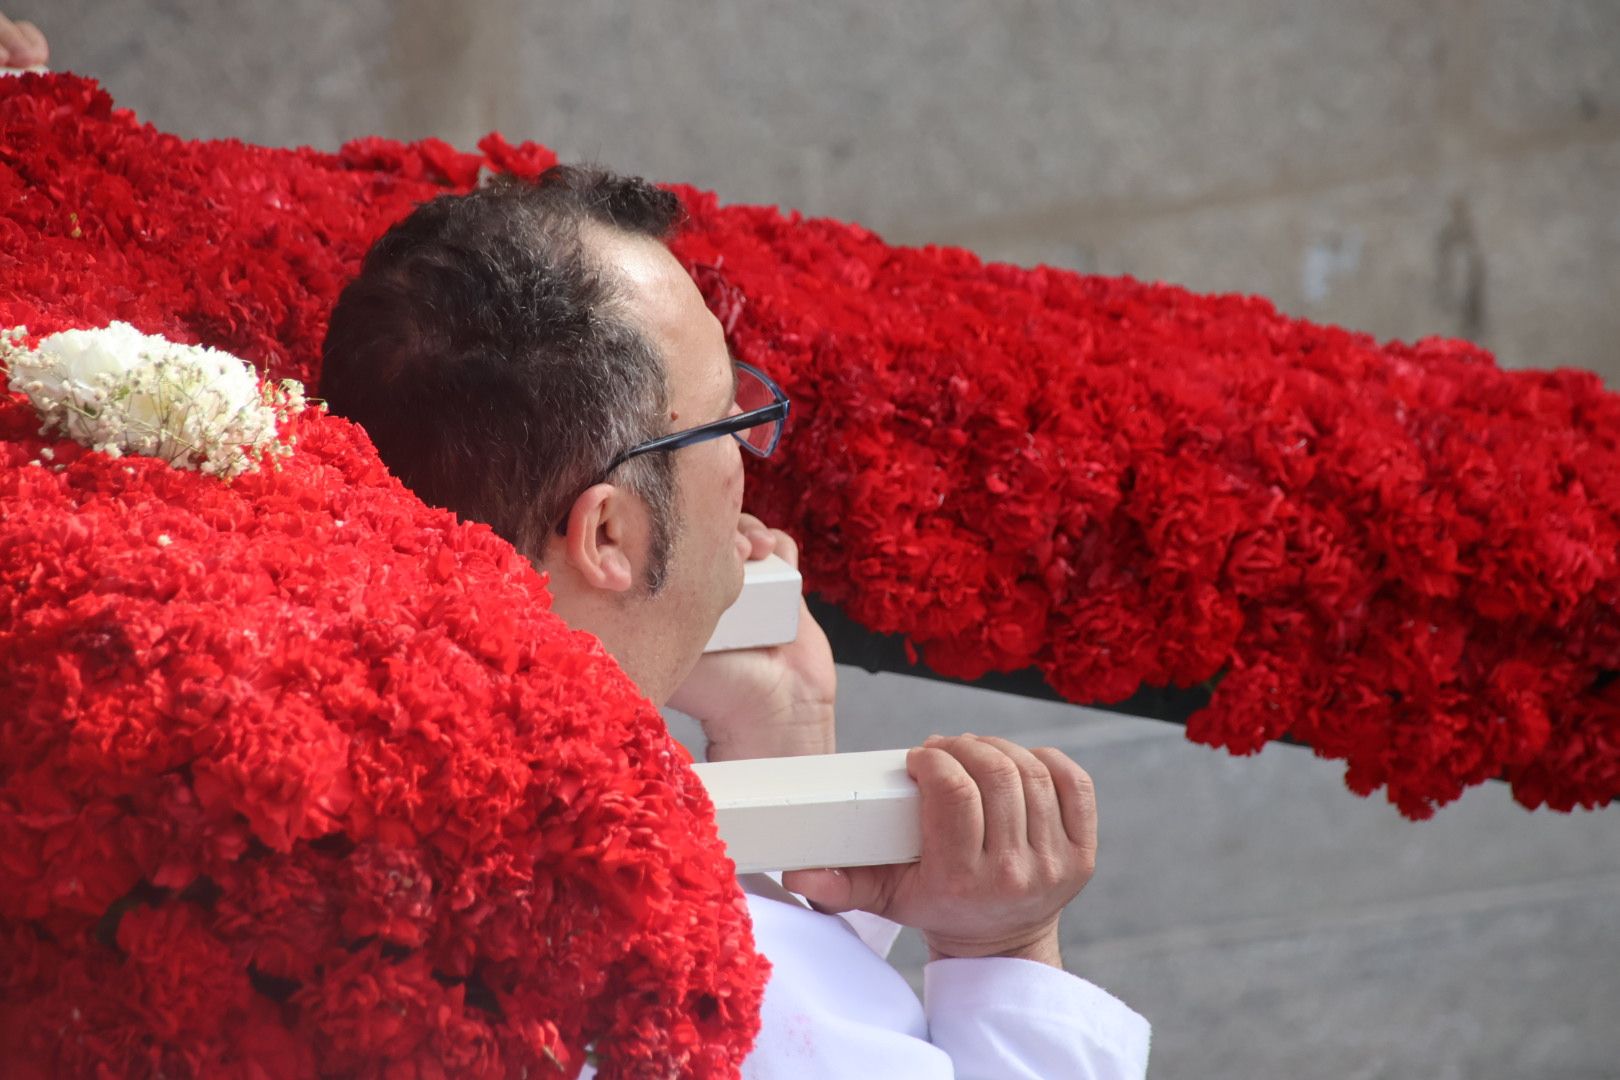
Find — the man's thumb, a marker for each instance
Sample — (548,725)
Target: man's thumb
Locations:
(832,891)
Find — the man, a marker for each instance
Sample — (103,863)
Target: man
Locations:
(533,357)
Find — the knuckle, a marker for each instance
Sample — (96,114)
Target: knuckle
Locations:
(961,888)
(1085,792)
(1063,765)
(1002,772)
(959,792)
(1055,871)
(1013,876)
(956,788)
(1083,779)
(1037,775)
(1075,779)
(1059,764)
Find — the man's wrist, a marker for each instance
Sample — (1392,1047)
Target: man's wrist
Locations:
(805,729)
(1042,949)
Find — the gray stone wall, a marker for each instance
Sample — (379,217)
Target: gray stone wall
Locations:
(1407,169)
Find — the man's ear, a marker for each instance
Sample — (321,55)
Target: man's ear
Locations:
(606,535)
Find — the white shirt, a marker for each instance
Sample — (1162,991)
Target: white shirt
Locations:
(834,1007)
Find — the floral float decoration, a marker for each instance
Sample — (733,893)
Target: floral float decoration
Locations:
(1400,555)
(299,777)
(119,392)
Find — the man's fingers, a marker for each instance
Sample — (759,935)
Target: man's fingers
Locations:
(10,40)
(951,810)
(21,44)
(1043,817)
(1001,791)
(36,38)
(761,540)
(832,891)
(1077,798)
(42,48)
(764,540)
(786,547)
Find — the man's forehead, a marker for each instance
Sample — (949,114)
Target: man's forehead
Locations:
(662,298)
(640,265)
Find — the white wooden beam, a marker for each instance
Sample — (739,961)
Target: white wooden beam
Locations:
(767,611)
(803,812)
(822,810)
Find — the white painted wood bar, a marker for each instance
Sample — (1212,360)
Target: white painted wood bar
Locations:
(822,810)
(766,612)
(803,812)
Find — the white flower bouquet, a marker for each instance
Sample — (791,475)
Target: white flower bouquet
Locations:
(120,391)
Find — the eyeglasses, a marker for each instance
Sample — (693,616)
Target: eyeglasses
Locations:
(758,424)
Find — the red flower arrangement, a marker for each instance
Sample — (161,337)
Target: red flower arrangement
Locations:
(1400,555)
(330,798)
(298,776)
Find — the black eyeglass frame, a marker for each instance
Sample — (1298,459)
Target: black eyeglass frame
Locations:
(776,412)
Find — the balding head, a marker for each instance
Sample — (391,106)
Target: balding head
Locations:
(486,350)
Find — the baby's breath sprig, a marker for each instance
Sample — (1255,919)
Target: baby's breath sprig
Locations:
(119,391)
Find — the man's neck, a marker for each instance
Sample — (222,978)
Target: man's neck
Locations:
(646,660)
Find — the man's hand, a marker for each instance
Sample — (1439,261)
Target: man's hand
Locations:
(770,702)
(21,44)
(1009,836)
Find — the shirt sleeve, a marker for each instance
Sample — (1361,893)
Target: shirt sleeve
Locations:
(1005,1018)
(834,1009)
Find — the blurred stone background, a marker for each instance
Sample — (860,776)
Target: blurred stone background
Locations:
(1449,167)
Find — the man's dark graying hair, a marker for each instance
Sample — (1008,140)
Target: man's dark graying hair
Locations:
(487,356)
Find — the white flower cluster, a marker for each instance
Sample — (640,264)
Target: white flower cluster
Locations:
(120,391)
